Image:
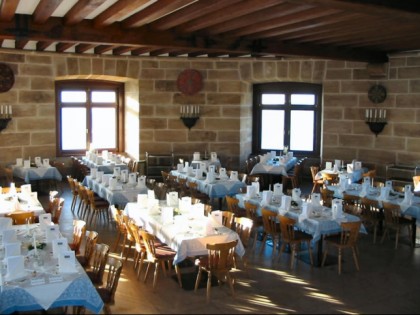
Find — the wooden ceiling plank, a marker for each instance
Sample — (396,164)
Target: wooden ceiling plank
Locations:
(20,44)
(117,11)
(193,11)
(141,51)
(122,50)
(153,12)
(44,10)
(61,47)
(100,49)
(81,48)
(8,9)
(42,45)
(80,10)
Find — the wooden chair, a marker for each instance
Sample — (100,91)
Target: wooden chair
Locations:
(158,254)
(195,193)
(243,227)
(293,177)
(232,205)
(330,178)
(371,214)
(257,227)
(73,187)
(317,182)
(99,259)
(351,204)
(347,239)
(79,231)
(91,239)
(219,263)
(395,221)
(21,217)
(56,209)
(99,208)
(271,228)
(228,219)
(139,247)
(107,291)
(293,237)
(327,197)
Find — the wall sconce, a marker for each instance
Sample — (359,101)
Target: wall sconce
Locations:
(376,119)
(5,116)
(189,115)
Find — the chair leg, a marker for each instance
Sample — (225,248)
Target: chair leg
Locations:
(356,260)
(208,287)
(339,261)
(324,258)
(155,275)
(197,281)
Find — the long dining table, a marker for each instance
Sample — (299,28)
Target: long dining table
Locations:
(43,285)
(19,203)
(36,173)
(317,224)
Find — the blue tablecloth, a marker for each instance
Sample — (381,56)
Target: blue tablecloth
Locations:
(36,173)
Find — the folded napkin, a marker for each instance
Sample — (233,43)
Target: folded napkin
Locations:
(9,236)
(27,163)
(44,220)
(357,165)
(337,209)
(278,189)
(5,223)
(208,228)
(124,176)
(212,169)
(67,261)
(132,178)
(99,175)
(52,232)
(213,156)
(15,267)
(99,160)
(26,189)
(257,187)
(306,207)
(328,165)
(199,173)
(190,171)
(367,180)
(349,168)
(38,161)
(251,191)
(186,167)
(289,155)
(222,173)
(113,181)
(384,193)
(296,192)
(234,175)
(12,249)
(105,179)
(180,167)
(267,195)
(196,156)
(216,218)
(59,245)
(185,205)
(286,202)
(316,200)
(150,194)
(167,215)
(210,178)
(172,199)
(117,171)
(337,164)
(141,181)
(19,162)
(408,198)
(93,172)
(142,200)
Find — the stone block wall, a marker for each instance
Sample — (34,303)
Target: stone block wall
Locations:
(225,102)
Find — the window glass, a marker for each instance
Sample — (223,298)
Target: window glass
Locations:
(104,127)
(273,99)
(104,97)
(73,135)
(301,130)
(73,96)
(272,129)
(302,99)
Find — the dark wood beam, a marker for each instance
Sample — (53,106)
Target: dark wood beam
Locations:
(81,48)
(117,11)
(8,9)
(80,10)
(122,50)
(103,49)
(44,10)
(61,47)
(141,51)
(42,45)
(20,44)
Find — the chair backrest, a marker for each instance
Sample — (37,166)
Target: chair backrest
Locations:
(56,209)
(243,226)
(370,207)
(91,239)
(270,221)
(149,241)
(21,217)
(79,230)
(392,213)
(99,260)
(314,171)
(221,256)
(232,203)
(349,232)
(287,228)
(351,204)
(160,190)
(114,269)
(416,181)
(227,218)
(135,232)
(326,196)
(251,210)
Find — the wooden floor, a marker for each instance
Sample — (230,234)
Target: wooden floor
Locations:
(387,283)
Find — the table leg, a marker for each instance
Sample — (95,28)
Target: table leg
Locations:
(318,259)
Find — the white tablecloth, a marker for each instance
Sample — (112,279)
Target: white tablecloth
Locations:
(36,173)
(274,167)
(187,243)
(8,204)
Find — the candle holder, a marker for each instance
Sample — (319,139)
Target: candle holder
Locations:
(376,120)
(3,122)
(189,115)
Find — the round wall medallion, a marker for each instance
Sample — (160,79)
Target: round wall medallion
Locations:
(7,78)
(377,93)
(190,81)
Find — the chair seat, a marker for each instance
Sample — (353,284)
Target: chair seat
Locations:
(105,294)
(164,252)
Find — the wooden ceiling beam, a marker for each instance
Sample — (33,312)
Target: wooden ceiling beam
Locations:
(8,9)
(42,45)
(80,10)
(117,11)
(122,50)
(20,44)
(44,10)
(81,48)
(61,47)
(103,49)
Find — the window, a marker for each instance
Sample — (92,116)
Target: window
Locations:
(89,115)
(287,114)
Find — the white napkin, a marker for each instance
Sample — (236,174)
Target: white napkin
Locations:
(27,163)
(343,181)
(296,195)
(124,176)
(9,236)
(367,180)
(67,261)
(38,161)
(180,167)
(286,202)
(185,205)
(52,232)
(278,189)
(197,211)
(208,228)
(337,209)
(26,189)
(222,173)
(328,165)
(15,267)
(305,210)
(251,191)
(46,162)
(99,175)
(213,156)
(5,223)
(289,155)
(44,220)
(257,187)
(172,199)
(234,175)
(167,215)
(384,193)
(12,249)
(105,179)
(216,218)
(59,245)
(357,165)
(141,181)
(267,195)
(316,200)
(212,169)
(105,154)
(93,172)
(199,173)
(196,156)
(210,178)
(117,171)
(150,194)
(187,165)
(99,160)
(337,164)
(142,199)
(19,162)
(349,168)
(113,182)
(190,171)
